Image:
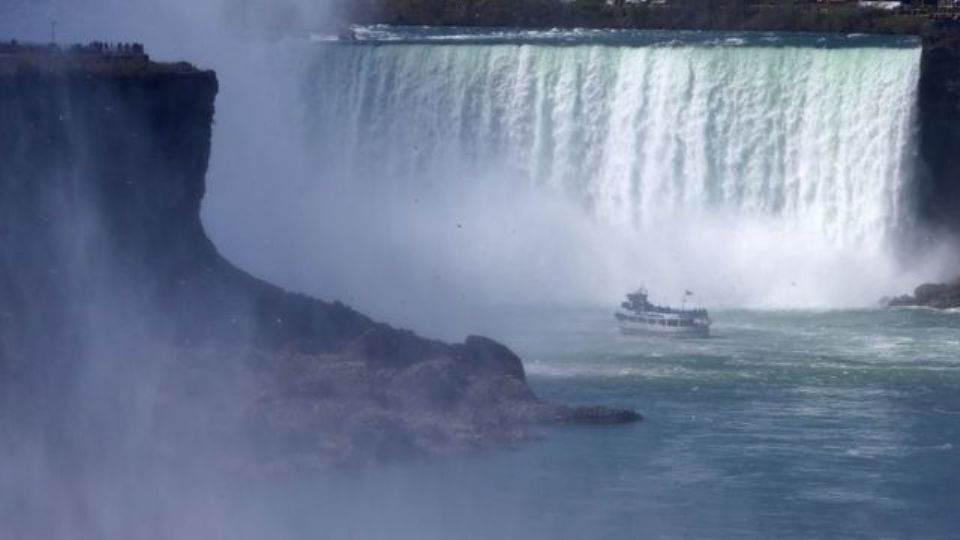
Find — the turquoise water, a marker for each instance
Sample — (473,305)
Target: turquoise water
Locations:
(841,424)
(788,151)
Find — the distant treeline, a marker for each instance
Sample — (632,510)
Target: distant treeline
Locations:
(772,15)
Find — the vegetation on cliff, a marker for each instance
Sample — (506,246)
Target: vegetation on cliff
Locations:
(766,15)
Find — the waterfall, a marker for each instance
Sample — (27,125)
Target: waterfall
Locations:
(813,137)
(764,171)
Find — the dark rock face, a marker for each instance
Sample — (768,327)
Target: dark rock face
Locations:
(98,195)
(935,295)
(939,115)
(102,249)
(937,184)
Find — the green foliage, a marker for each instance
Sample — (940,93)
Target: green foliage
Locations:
(772,15)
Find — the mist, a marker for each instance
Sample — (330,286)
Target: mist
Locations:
(505,177)
(116,424)
(442,249)
(438,247)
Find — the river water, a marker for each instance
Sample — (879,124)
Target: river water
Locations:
(481,169)
(791,424)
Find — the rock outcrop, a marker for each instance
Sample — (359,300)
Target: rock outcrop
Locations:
(937,183)
(934,295)
(102,165)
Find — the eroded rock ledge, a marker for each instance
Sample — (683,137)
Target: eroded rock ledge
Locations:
(102,165)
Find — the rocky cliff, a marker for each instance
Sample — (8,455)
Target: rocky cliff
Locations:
(102,165)
(939,117)
(937,181)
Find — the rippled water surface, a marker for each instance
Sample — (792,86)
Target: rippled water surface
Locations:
(783,425)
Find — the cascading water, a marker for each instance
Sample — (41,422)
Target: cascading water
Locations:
(759,170)
(814,137)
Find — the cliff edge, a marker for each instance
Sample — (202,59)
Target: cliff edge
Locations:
(102,165)
(937,185)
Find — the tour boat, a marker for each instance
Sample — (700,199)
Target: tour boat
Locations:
(640,316)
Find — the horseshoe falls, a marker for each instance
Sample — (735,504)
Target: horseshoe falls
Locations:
(811,137)
(467,171)
(759,170)
(518,183)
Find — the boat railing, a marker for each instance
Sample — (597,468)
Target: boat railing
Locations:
(663,309)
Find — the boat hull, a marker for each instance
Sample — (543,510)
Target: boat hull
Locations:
(629,330)
(631,326)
